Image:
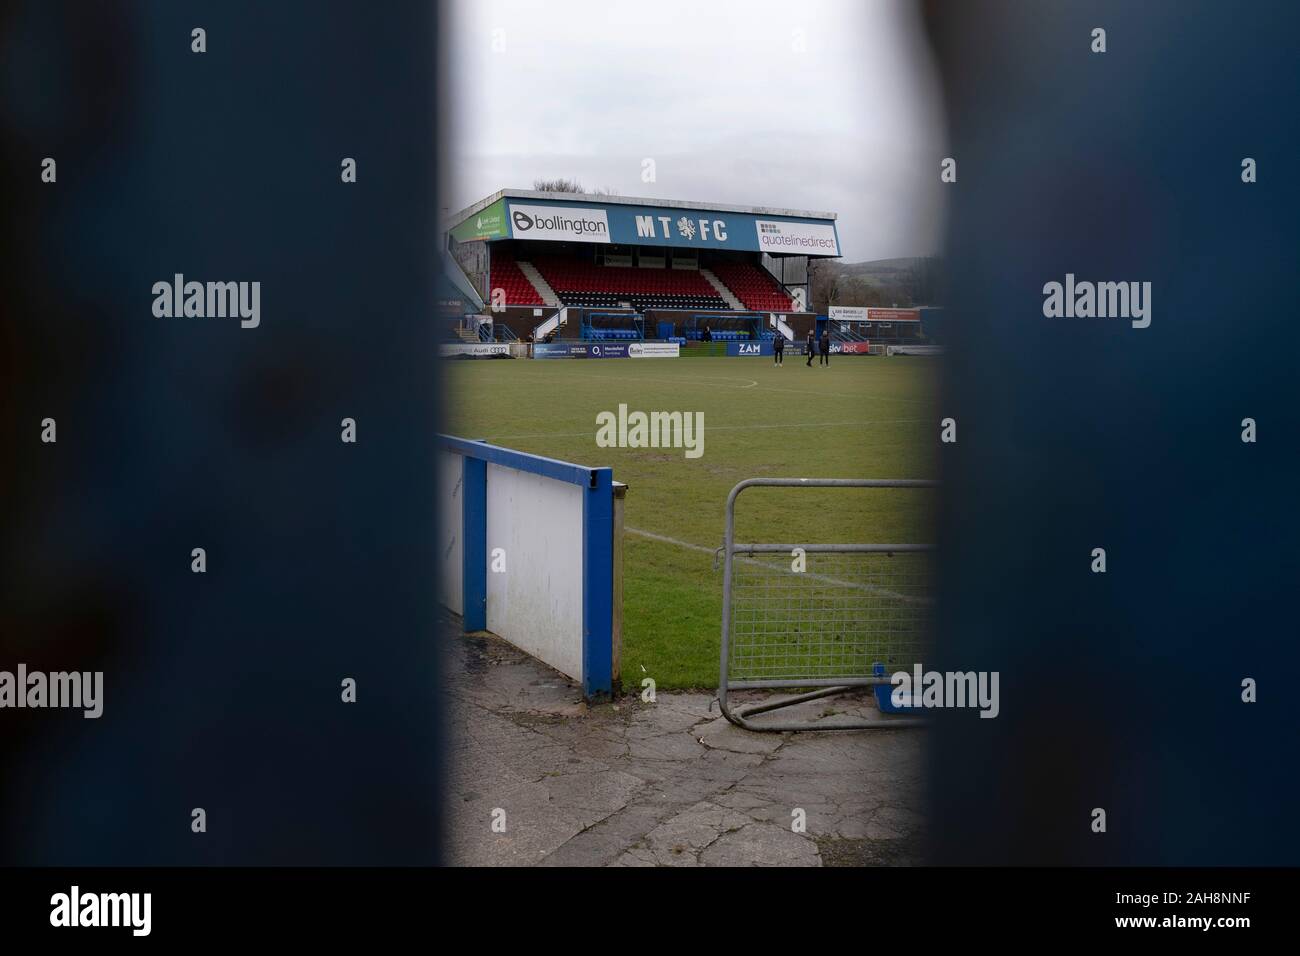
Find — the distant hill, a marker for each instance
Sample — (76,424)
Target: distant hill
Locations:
(883,266)
(914,280)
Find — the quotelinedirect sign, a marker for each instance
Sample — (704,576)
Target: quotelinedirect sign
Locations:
(558,223)
(810,238)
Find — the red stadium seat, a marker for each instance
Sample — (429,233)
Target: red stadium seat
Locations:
(753,286)
(579,282)
(507,276)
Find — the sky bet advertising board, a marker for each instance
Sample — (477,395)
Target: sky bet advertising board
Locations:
(666,226)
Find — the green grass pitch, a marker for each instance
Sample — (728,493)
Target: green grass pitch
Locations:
(859,417)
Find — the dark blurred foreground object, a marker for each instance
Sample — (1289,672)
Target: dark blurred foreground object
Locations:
(223,690)
(1120,691)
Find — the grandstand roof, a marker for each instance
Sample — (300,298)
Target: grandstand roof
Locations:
(482,204)
(630,220)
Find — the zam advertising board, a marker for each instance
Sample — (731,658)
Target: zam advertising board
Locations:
(749,348)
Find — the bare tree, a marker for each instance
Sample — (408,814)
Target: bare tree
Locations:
(559,186)
(570,186)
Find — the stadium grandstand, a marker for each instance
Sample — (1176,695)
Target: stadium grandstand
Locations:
(546,266)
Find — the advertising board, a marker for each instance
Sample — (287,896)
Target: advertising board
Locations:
(559,223)
(654,350)
(474,349)
(749,348)
(797,238)
(848,313)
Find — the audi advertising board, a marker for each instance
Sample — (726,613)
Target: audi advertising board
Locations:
(475,349)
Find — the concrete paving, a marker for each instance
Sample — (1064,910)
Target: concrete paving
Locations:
(540,778)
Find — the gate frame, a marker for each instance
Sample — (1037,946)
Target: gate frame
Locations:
(827,686)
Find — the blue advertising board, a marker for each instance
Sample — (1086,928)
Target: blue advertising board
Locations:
(551,350)
(596,222)
(750,348)
(580,350)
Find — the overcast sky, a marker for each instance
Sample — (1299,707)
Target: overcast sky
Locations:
(828,105)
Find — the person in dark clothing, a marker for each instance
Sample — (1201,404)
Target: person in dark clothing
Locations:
(708,334)
(812,346)
(826,347)
(778,348)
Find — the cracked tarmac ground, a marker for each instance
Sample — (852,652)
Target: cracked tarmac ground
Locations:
(664,784)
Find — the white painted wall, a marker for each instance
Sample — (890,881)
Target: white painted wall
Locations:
(537,604)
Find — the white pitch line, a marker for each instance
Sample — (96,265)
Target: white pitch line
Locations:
(855,585)
(667,540)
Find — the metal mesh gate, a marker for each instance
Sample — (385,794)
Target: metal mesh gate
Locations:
(853,615)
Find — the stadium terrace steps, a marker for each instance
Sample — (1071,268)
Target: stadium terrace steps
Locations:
(723,291)
(509,279)
(540,284)
(755,287)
